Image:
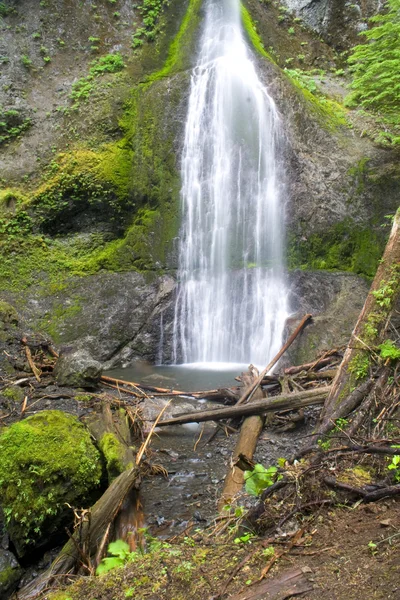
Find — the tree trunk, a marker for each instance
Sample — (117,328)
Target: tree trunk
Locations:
(369,331)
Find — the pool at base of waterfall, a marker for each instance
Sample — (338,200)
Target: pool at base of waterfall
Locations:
(190,377)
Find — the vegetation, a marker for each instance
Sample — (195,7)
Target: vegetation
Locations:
(150,11)
(260,478)
(375,67)
(110,63)
(45,461)
(12,124)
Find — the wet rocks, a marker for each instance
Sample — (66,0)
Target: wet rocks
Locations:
(77,369)
(10,573)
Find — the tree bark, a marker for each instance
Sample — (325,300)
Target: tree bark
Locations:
(369,330)
(283,402)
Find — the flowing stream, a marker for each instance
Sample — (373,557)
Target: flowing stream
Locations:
(231,304)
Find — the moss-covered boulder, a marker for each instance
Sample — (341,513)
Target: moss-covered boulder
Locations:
(46,461)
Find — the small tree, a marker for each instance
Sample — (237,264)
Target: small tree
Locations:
(376,64)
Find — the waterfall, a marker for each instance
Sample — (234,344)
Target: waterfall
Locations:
(231,304)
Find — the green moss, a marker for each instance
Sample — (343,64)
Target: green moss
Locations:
(113,452)
(344,247)
(10,198)
(131,186)
(329,113)
(14,393)
(252,34)
(178,50)
(45,461)
(83,397)
(8,314)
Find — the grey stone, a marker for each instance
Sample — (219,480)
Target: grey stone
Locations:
(77,369)
(10,573)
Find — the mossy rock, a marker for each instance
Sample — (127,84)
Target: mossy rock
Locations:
(14,393)
(8,314)
(10,573)
(46,461)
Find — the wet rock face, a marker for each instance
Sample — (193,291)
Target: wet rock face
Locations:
(77,369)
(335,301)
(10,573)
(338,21)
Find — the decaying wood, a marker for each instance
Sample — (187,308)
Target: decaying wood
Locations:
(246,397)
(141,386)
(344,380)
(116,423)
(277,403)
(32,365)
(246,444)
(289,584)
(323,362)
(90,535)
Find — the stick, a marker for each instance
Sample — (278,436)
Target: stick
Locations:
(248,394)
(287,401)
(32,365)
(147,441)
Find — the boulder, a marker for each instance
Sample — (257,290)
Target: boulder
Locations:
(46,461)
(10,573)
(77,369)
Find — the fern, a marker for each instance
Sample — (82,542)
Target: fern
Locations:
(376,64)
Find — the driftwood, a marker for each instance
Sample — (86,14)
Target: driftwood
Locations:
(282,402)
(289,584)
(246,444)
(248,394)
(376,314)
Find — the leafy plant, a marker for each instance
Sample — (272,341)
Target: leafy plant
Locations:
(389,350)
(375,65)
(120,555)
(26,61)
(244,539)
(394,466)
(260,478)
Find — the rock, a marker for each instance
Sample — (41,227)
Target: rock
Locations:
(46,461)
(8,315)
(10,573)
(77,369)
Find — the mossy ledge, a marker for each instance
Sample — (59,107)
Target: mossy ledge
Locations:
(114,206)
(343,247)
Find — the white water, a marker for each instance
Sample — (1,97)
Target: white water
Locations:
(231,304)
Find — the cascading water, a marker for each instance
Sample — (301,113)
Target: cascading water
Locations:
(231,304)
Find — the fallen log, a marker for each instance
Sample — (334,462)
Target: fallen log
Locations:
(248,394)
(246,444)
(282,402)
(317,365)
(289,584)
(88,537)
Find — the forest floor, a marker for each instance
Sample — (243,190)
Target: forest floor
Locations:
(336,556)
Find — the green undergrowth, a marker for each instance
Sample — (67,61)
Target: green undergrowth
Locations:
(344,247)
(82,89)
(12,124)
(190,569)
(45,461)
